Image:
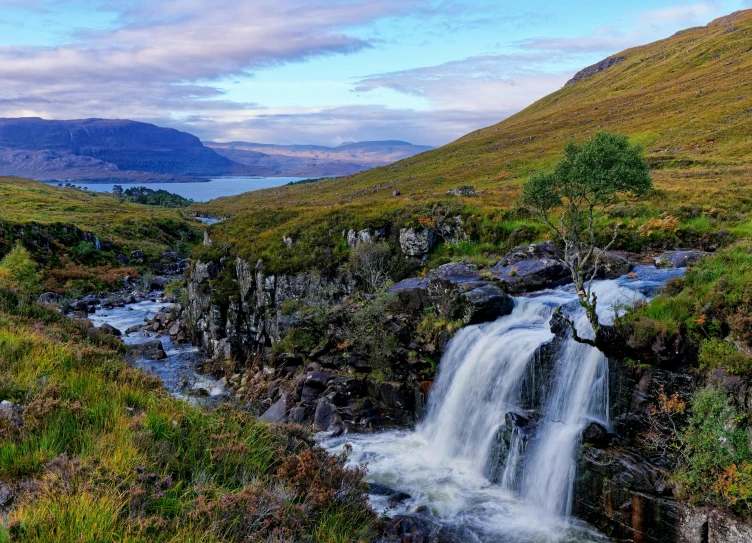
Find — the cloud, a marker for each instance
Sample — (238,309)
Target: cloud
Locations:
(688,14)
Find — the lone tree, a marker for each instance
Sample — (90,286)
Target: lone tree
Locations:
(589,178)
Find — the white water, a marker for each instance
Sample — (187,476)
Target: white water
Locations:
(488,371)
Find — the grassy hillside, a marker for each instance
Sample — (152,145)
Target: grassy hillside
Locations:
(96,451)
(685,99)
(58,226)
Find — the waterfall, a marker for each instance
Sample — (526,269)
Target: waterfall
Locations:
(97,244)
(497,450)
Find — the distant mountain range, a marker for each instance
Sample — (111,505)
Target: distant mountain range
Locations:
(106,150)
(317,160)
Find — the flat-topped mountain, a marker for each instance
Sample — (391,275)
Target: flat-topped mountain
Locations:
(105,148)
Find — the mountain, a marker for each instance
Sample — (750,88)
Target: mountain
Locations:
(107,149)
(686,99)
(317,160)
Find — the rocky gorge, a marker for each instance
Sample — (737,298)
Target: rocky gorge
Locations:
(245,318)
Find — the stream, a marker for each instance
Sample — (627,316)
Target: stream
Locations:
(460,481)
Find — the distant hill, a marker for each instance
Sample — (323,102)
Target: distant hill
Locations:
(107,149)
(318,160)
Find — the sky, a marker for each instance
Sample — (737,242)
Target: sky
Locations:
(314,71)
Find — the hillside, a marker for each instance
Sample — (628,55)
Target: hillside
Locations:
(686,99)
(106,148)
(59,226)
(316,160)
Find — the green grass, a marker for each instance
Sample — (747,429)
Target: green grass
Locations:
(104,454)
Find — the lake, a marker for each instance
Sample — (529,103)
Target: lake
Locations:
(203,191)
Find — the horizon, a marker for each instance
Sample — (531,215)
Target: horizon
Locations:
(313,72)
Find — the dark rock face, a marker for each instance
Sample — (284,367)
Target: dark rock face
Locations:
(590,71)
(326,416)
(158,283)
(532,267)
(151,350)
(278,411)
(595,434)
(612,265)
(411,293)
(678,259)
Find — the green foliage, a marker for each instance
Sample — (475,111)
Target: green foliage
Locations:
(717,353)
(150,197)
(716,445)
(18,273)
(366,334)
(372,262)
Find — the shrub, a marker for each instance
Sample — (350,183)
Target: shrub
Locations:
(717,353)
(372,263)
(18,273)
(716,444)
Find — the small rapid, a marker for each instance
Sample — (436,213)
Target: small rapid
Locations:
(179,370)
(472,470)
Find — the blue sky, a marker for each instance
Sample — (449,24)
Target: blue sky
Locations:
(314,71)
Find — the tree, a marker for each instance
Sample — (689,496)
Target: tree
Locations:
(589,178)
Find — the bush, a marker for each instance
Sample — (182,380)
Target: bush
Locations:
(372,263)
(717,353)
(716,447)
(18,273)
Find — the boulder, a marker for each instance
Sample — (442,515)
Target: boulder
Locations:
(464,190)
(532,267)
(158,283)
(151,350)
(416,242)
(138,254)
(677,259)
(411,294)
(110,330)
(355,237)
(91,300)
(278,411)
(326,416)
(299,414)
(49,298)
(318,379)
(455,272)
(122,259)
(612,265)
(134,329)
(485,304)
(595,434)
(170,255)
(6,495)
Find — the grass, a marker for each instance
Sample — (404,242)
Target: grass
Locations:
(101,453)
(681,98)
(59,226)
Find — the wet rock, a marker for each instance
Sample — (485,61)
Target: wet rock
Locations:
(110,330)
(464,190)
(532,267)
(612,265)
(486,304)
(411,294)
(326,416)
(91,300)
(175,329)
(416,243)
(151,350)
(595,434)
(134,329)
(677,259)
(49,298)
(394,395)
(395,497)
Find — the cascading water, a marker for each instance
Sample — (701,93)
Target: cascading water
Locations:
(478,481)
